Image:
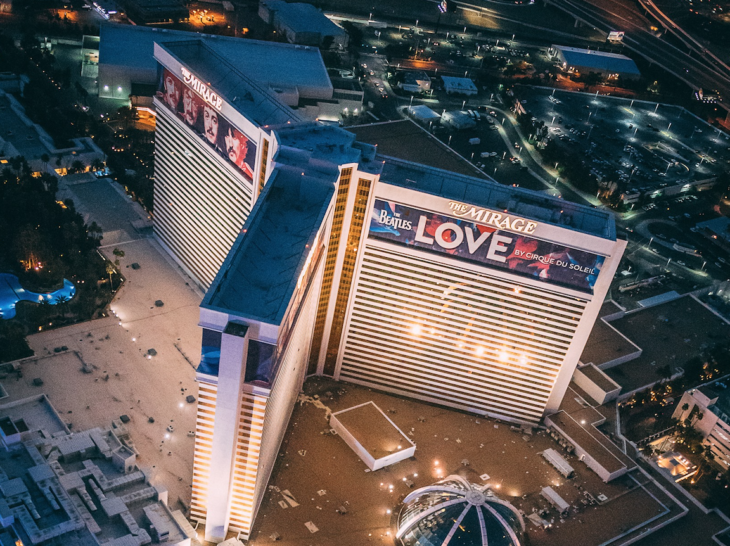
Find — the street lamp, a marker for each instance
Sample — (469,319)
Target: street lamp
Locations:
(450,139)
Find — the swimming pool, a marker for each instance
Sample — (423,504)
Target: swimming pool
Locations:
(11,293)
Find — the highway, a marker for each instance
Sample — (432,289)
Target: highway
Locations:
(693,66)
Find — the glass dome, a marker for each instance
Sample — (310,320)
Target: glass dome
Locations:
(455,512)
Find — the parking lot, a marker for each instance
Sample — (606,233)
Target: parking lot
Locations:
(639,146)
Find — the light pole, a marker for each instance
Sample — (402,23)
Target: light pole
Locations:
(670,126)
(703,266)
(657,107)
(649,245)
(463,104)
(667,266)
(450,140)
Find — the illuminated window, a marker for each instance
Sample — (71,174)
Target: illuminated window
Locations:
(329,267)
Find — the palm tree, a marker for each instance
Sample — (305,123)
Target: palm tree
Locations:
(110,270)
(62,302)
(95,231)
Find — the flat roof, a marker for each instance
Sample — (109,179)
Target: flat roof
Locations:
(579,420)
(24,138)
(592,372)
(721,391)
(602,60)
(272,63)
(249,97)
(406,140)
(375,432)
(258,277)
(303,18)
(604,344)
(459,83)
(488,193)
(719,226)
(670,333)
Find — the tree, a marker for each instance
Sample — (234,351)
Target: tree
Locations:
(95,231)
(77,167)
(62,302)
(110,271)
(665,372)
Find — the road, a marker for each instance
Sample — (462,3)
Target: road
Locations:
(694,67)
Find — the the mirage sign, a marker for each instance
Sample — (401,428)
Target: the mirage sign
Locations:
(485,244)
(196,105)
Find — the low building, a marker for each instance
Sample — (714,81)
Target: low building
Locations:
(294,74)
(302,24)
(708,411)
(575,426)
(82,488)
(596,383)
(584,61)
(423,113)
(459,86)
(458,120)
(415,82)
(717,229)
(22,137)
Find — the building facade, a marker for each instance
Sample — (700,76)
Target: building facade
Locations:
(708,410)
(321,257)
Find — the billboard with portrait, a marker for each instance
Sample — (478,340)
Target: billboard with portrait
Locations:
(485,245)
(205,119)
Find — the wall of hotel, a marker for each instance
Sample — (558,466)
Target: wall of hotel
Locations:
(285,390)
(201,203)
(201,199)
(345,225)
(450,332)
(238,448)
(205,422)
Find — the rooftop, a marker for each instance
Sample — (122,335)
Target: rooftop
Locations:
(260,274)
(453,83)
(719,226)
(670,333)
(721,391)
(610,62)
(484,452)
(373,430)
(579,421)
(273,63)
(303,18)
(406,140)
(258,103)
(605,343)
(491,194)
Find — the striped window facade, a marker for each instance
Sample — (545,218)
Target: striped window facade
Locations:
(338,219)
(203,448)
(200,204)
(264,162)
(455,336)
(348,269)
(245,467)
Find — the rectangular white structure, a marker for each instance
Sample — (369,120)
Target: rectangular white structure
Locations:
(372,435)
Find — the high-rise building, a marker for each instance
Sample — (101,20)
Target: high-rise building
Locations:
(405,278)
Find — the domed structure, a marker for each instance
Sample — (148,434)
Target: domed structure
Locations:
(455,512)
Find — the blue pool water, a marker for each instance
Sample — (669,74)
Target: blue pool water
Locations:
(11,293)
